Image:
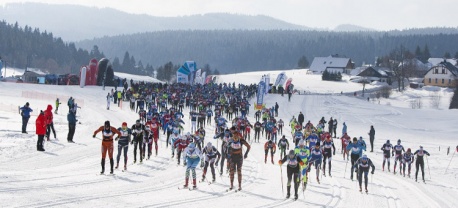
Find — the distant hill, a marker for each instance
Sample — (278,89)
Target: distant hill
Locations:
(74,23)
(351,28)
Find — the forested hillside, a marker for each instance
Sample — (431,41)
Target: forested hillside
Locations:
(250,50)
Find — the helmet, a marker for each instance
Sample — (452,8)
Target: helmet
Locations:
(360,138)
(301,142)
(124,124)
(364,157)
(209,145)
(192,146)
(388,141)
(409,150)
(355,139)
(291,154)
(317,144)
(399,141)
(137,121)
(421,147)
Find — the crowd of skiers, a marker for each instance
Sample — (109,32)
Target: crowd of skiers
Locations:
(160,109)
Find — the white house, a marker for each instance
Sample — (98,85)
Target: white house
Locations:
(332,64)
(443,74)
(436,61)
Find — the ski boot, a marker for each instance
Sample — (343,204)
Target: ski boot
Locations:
(213,180)
(117,165)
(360,189)
(185,183)
(125,167)
(295,197)
(194,186)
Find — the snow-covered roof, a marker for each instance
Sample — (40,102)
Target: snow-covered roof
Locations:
(136,77)
(320,64)
(436,61)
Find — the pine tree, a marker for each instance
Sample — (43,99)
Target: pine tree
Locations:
(303,63)
(325,75)
(454,101)
(447,55)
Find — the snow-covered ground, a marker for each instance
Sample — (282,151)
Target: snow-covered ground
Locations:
(66,175)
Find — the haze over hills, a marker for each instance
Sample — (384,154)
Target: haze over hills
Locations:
(73,22)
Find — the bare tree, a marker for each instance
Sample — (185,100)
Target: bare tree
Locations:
(435,99)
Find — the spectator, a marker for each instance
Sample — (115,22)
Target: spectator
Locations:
(71,118)
(40,124)
(372,137)
(25,113)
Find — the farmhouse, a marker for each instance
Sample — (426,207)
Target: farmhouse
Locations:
(443,74)
(333,64)
(375,74)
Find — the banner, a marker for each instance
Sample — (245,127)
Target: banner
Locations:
(209,79)
(184,72)
(260,96)
(267,82)
(191,66)
(202,78)
(182,78)
(281,79)
(288,83)
(198,79)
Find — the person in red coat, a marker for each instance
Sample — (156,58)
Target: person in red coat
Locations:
(49,122)
(40,125)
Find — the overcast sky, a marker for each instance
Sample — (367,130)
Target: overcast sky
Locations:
(376,14)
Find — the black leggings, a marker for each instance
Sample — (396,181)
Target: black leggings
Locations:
(360,176)
(420,163)
(50,127)
(293,173)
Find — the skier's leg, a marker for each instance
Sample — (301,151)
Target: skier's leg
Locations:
(125,154)
(118,157)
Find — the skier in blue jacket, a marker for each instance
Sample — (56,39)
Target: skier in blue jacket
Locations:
(356,150)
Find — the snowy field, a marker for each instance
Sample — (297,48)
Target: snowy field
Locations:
(66,175)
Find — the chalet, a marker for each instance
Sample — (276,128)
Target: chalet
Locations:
(436,61)
(33,77)
(333,64)
(443,74)
(379,74)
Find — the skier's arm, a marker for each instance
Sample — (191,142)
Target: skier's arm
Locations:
(97,131)
(280,162)
(333,148)
(248,147)
(372,165)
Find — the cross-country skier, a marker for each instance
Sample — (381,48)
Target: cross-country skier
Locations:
(312,140)
(294,162)
(316,157)
(123,144)
(257,130)
(327,153)
(212,157)
(283,144)
(397,153)
(387,147)
(192,157)
(108,132)
(225,137)
(181,145)
(420,162)
(173,138)
(138,131)
(356,152)
(408,159)
(269,146)
(304,153)
(236,155)
(345,140)
(362,165)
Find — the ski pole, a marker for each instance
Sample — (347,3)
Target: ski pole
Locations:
(281,176)
(450,162)
(345,168)
(428,167)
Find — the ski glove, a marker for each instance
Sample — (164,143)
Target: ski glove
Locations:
(372,172)
(245,156)
(93,136)
(279,162)
(334,153)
